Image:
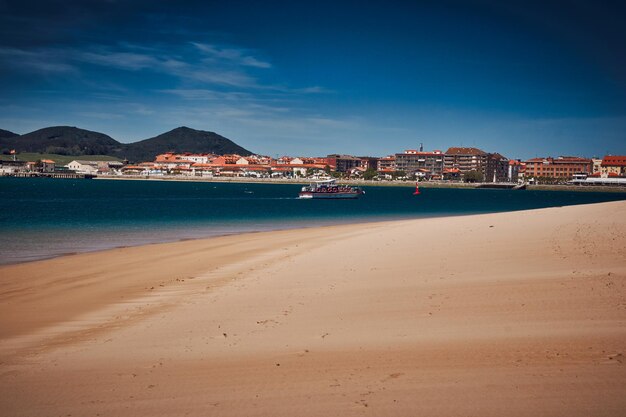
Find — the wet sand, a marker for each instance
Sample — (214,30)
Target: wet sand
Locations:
(518,314)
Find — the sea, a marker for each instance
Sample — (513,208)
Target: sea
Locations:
(43,217)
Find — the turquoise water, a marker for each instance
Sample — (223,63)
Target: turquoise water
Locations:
(42,217)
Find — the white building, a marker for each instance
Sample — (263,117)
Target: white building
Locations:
(12,167)
(96,167)
(597,165)
(83,167)
(197,158)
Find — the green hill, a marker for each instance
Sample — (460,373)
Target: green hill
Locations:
(77,143)
(7,134)
(182,139)
(63,140)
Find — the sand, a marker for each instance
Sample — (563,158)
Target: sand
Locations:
(510,314)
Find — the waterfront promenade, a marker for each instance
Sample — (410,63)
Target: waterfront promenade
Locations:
(384,183)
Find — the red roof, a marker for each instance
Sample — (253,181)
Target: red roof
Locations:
(465,151)
(572,159)
(560,160)
(614,160)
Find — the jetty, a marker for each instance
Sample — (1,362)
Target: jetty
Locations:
(66,175)
(502,186)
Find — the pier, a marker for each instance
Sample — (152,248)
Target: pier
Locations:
(502,186)
(66,175)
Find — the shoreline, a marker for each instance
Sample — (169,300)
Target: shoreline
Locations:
(179,248)
(408,184)
(366,183)
(360,222)
(465,315)
(201,210)
(211,241)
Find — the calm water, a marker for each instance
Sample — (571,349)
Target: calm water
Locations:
(42,217)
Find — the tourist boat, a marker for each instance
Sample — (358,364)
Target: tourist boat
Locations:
(330,190)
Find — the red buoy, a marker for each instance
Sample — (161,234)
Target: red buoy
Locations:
(417,189)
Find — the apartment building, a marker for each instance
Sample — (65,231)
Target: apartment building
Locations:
(613,164)
(343,163)
(493,166)
(427,164)
(465,159)
(562,167)
(496,168)
(386,164)
(369,162)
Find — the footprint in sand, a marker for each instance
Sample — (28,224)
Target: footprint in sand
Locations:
(392,376)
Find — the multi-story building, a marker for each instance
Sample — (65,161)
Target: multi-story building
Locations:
(386,164)
(427,164)
(562,167)
(496,168)
(493,166)
(465,159)
(613,164)
(597,165)
(368,162)
(343,163)
(515,169)
(47,165)
(12,167)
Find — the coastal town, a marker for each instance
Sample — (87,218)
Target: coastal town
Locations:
(310,208)
(456,164)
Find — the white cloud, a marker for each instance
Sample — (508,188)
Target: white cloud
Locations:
(43,61)
(206,94)
(210,87)
(227,67)
(122,60)
(313,90)
(161,62)
(236,56)
(100,115)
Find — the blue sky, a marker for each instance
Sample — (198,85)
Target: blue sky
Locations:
(310,78)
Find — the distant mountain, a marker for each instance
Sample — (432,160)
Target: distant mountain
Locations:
(182,139)
(64,140)
(7,134)
(67,140)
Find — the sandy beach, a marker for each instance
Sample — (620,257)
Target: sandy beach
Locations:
(509,314)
